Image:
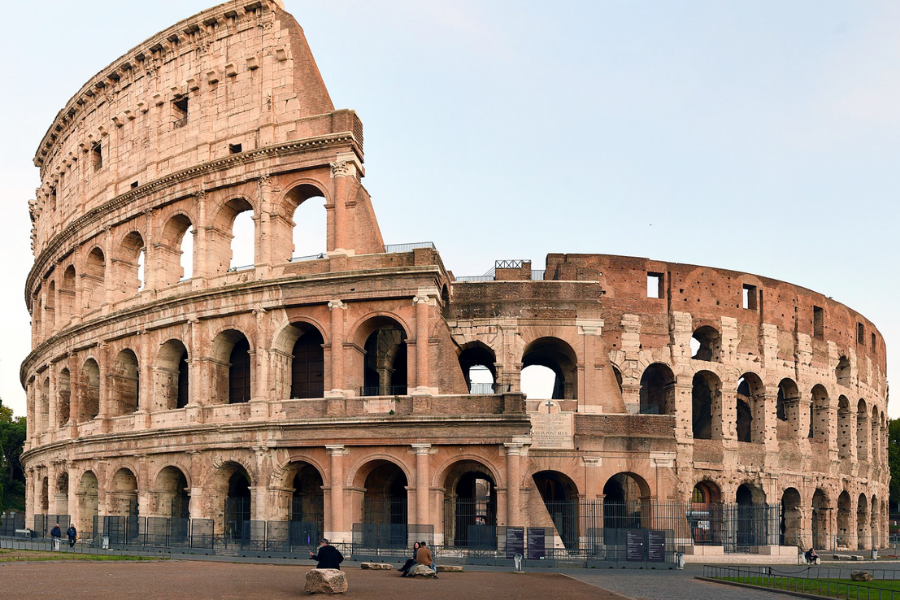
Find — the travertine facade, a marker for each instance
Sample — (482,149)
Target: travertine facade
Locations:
(330,385)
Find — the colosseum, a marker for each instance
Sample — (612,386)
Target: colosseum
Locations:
(368,394)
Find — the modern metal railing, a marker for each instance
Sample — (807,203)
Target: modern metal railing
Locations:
(309,257)
(800,582)
(389,248)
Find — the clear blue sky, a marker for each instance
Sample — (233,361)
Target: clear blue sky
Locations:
(757,136)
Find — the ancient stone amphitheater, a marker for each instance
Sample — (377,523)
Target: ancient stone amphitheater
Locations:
(336,393)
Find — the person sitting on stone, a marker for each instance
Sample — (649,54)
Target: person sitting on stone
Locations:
(409,561)
(424,557)
(329,557)
(811,557)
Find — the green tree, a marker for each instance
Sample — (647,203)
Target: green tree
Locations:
(894,460)
(12,443)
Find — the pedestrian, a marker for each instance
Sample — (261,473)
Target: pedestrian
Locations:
(410,561)
(329,557)
(72,534)
(56,534)
(423,557)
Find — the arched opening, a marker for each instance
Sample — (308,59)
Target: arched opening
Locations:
(845,427)
(238,503)
(557,356)
(791,518)
(237,227)
(624,497)
(125,380)
(232,367)
(787,407)
(90,391)
(744,424)
(173,376)
(87,502)
(173,493)
(121,500)
(706,406)
(560,496)
(307,509)
(308,364)
(63,397)
(843,520)
(752,517)
(61,490)
(93,290)
(470,506)
(38,319)
(842,371)
(385,366)
(862,523)
(309,223)
(50,307)
(176,251)
(821,515)
(384,506)
(706,344)
(67,296)
(44,422)
(705,517)
(44,500)
(657,390)
(818,414)
(862,431)
(130,264)
(477,363)
(874,454)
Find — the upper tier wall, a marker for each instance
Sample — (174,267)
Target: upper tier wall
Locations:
(228,80)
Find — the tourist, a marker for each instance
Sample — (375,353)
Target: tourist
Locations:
(423,557)
(329,557)
(811,557)
(56,533)
(72,534)
(409,561)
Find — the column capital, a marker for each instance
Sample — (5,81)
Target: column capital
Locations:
(589,326)
(421,448)
(336,304)
(513,448)
(336,449)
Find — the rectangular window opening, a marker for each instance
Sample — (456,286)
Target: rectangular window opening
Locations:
(750,297)
(180,112)
(134,184)
(818,322)
(97,156)
(874,342)
(235,148)
(860,333)
(655,285)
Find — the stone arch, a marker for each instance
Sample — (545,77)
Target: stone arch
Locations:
(305,500)
(560,496)
(470,504)
(173,486)
(751,528)
(297,205)
(44,497)
(381,501)
(50,306)
(625,501)
(750,409)
(63,397)
(821,519)
(842,371)
(787,410)
(844,520)
(87,500)
(93,289)
(67,295)
(845,428)
(44,420)
(559,357)
(61,491)
(382,369)
(706,406)
(791,518)
(819,422)
(232,367)
(130,263)
(657,390)
(122,494)
(230,493)
(862,430)
(875,453)
(222,246)
(863,541)
(172,374)
(89,406)
(706,344)
(177,241)
(300,364)
(874,523)
(478,357)
(125,381)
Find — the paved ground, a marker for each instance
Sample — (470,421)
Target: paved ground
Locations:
(225,581)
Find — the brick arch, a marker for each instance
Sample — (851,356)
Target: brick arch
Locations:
(175,463)
(281,474)
(359,332)
(284,340)
(442,472)
(354,474)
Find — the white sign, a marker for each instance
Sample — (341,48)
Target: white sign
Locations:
(552,431)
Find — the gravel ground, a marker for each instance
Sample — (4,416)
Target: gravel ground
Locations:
(216,580)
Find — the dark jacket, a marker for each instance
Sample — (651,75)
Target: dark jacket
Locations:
(329,557)
(72,532)
(55,532)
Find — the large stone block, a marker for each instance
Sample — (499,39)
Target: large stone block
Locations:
(326,581)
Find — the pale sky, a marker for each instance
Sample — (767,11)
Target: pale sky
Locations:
(757,136)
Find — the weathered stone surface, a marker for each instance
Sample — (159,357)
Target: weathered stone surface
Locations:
(376,566)
(421,570)
(326,581)
(450,569)
(861,576)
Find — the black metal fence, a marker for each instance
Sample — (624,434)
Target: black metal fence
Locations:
(800,582)
(10,522)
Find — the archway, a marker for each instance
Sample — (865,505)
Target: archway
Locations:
(706,516)
(44,500)
(560,496)
(476,361)
(238,502)
(63,397)
(67,296)
(862,523)
(842,371)
(787,410)
(385,358)
(173,493)
(791,518)
(821,517)
(470,506)
(818,414)
(130,265)
(874,518)
(93,290)
(44,417)
(844,520)
(385,506)
(706,344)
(862,431)
(307,508)
(751,402)
(61,492)
(232,370)
(308,364)
(87,502)
(236,222)
(173,375)
(624,496)
(557,356)
(89,406)
(751,529)
(657,390)
(121,500)
(845,427)
(706,406)
(176,252)
(309,222)
(125,380)
(875,452)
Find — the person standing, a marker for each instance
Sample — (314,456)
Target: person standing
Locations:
(329,557)
(72,534)
(56,534)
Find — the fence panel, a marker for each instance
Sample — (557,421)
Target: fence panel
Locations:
(202,533)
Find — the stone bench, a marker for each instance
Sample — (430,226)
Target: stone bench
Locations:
(858,557)
(326,581)
(421,570)
(376,566)
(450,569)
(842,557)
